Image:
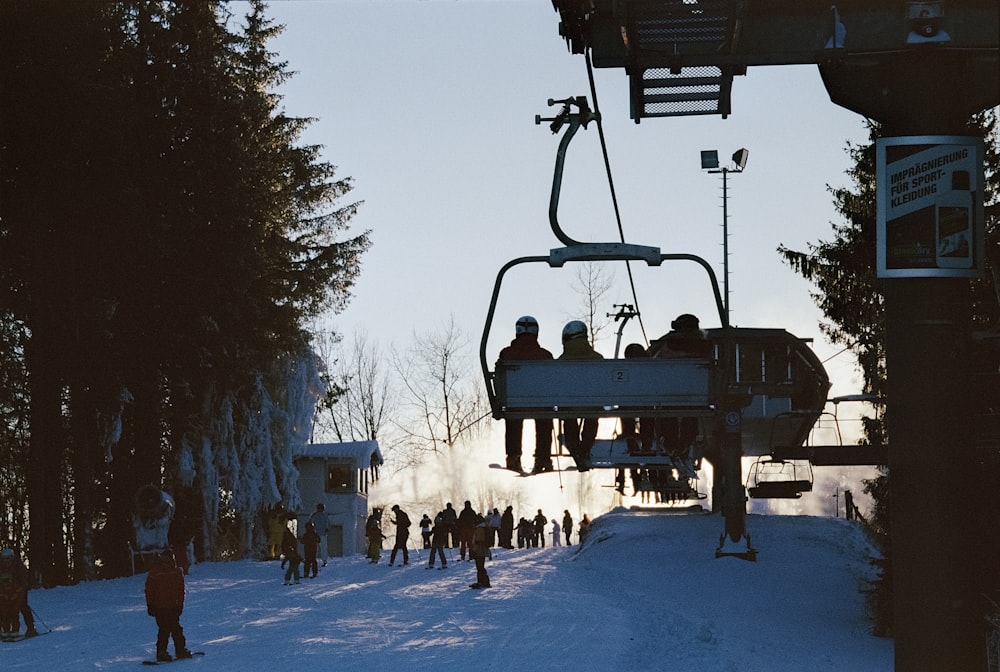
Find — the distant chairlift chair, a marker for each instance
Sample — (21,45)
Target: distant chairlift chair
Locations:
(772,478)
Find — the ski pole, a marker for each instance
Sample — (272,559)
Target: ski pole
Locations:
(39,619)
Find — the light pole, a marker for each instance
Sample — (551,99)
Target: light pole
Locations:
(710,162)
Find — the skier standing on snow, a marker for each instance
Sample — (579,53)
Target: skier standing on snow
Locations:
(165,602)
(567,525)
(310,544)
(450,518)
(525,532)
(480,551)
(290,549)
(538,531)
(402,523)
(556,533)
(14,596)
(275,519)
(373,533)
(507,528)
(493,525)
(584,528)
(321,522)
(425,530)
(439,539)
(467,520)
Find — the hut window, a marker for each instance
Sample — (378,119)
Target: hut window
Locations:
(339,476)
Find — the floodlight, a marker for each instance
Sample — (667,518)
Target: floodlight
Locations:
(740,158)
(710,162)
(709,159)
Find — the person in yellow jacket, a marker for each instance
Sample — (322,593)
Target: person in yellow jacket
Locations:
(276,519)
(579,436)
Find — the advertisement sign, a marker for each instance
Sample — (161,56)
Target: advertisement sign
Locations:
(930,214)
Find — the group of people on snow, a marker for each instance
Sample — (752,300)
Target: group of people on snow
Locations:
(473,534)
(283,542)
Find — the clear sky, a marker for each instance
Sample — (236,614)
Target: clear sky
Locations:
(429,106)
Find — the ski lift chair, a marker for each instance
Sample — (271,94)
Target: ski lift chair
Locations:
(778,479)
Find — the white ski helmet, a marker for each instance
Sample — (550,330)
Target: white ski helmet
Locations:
(526,324)
(574,329)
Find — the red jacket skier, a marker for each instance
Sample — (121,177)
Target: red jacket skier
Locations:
(165,602)
(525,347)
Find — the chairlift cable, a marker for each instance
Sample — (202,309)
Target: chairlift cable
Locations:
(611,185)
(836,354)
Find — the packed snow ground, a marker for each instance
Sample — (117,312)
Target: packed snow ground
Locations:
(644,593)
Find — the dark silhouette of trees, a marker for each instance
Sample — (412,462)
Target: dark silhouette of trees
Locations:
(164,237)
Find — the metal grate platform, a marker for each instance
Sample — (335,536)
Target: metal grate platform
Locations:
(658,32)
(657,92)
(665,24)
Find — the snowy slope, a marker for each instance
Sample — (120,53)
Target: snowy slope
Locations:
(644,593)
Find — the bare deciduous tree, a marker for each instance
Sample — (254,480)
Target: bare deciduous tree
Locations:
(442,396)
(594,282)
(327,346)
(361,396)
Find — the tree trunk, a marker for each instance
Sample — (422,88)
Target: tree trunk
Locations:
(47,555)
(85,442)
(148,431)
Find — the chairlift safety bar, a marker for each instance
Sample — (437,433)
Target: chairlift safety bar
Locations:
(692,393)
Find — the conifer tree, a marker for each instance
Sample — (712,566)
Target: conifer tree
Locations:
(164,237)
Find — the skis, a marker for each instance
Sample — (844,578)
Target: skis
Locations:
(525,474)
(496,465)
(194,654)
(20,637)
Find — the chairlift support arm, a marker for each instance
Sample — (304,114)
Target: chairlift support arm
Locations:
(573,121)
(625,313)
